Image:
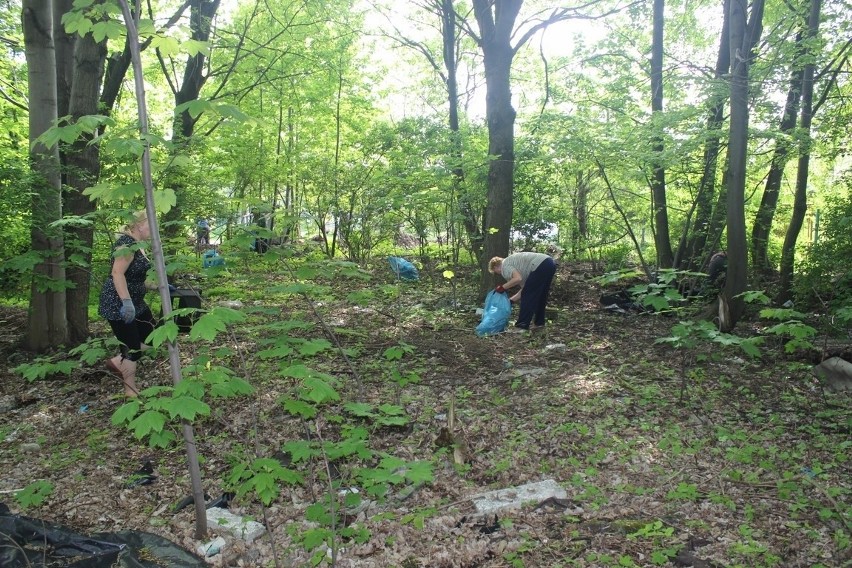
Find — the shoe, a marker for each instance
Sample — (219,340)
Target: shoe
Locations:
(515,329)
(536,328)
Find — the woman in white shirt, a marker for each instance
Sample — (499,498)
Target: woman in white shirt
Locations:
(533,272)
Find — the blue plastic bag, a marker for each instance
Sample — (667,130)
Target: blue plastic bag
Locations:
(495,316)
(403,269)
(211,258)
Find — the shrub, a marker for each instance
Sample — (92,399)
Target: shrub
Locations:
(826,275)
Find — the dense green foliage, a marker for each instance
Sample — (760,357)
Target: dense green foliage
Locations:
(307,135)
(826,278)
(14,228)
(299,136)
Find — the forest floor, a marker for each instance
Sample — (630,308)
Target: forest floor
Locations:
(700,457)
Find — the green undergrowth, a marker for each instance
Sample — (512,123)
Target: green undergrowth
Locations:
(329,382)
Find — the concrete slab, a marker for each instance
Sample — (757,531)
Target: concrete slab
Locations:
(836,374)
(514,497)
(240,527)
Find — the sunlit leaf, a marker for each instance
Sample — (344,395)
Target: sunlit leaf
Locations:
(319,391)
(207,327)
(168,46)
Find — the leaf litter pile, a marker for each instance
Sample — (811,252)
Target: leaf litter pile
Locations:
(701,457)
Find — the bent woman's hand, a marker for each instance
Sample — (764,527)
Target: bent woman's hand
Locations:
(127,311)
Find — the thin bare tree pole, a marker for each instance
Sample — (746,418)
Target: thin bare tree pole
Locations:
(130,20)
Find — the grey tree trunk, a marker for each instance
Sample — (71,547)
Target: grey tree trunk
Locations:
(82,170)
(737,275)
(48,326)
(496,21)
(800,201)
(766,212)
(662,238)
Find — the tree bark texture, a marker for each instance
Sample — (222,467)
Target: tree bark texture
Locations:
(47,322)
(742,43)
(496,20)
(64,54)
(766,212)
(696,251)
(82,170)
(800,201)
(735,282)
(580,208)
(662,238)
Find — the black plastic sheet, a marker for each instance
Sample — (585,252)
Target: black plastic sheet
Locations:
(26,542)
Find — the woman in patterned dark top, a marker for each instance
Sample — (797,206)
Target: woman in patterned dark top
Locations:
(122,300)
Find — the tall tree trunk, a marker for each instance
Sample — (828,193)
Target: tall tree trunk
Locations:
(768,203)
(201,17)
(580,209)
(741,46)
(64,44)
(496,21)
(449,34)
(800,203)
(662,238)
(48,326)
(693,252)
(82,170)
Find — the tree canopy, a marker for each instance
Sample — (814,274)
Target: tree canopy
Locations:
(355,123)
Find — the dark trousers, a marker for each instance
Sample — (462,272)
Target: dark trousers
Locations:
(131,335)
(534,294)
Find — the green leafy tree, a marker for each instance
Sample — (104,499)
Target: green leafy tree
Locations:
(696,244)
(496,23)
(445,59)
(826,275)
(15,205)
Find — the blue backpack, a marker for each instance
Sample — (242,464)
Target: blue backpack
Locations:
(495,316)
